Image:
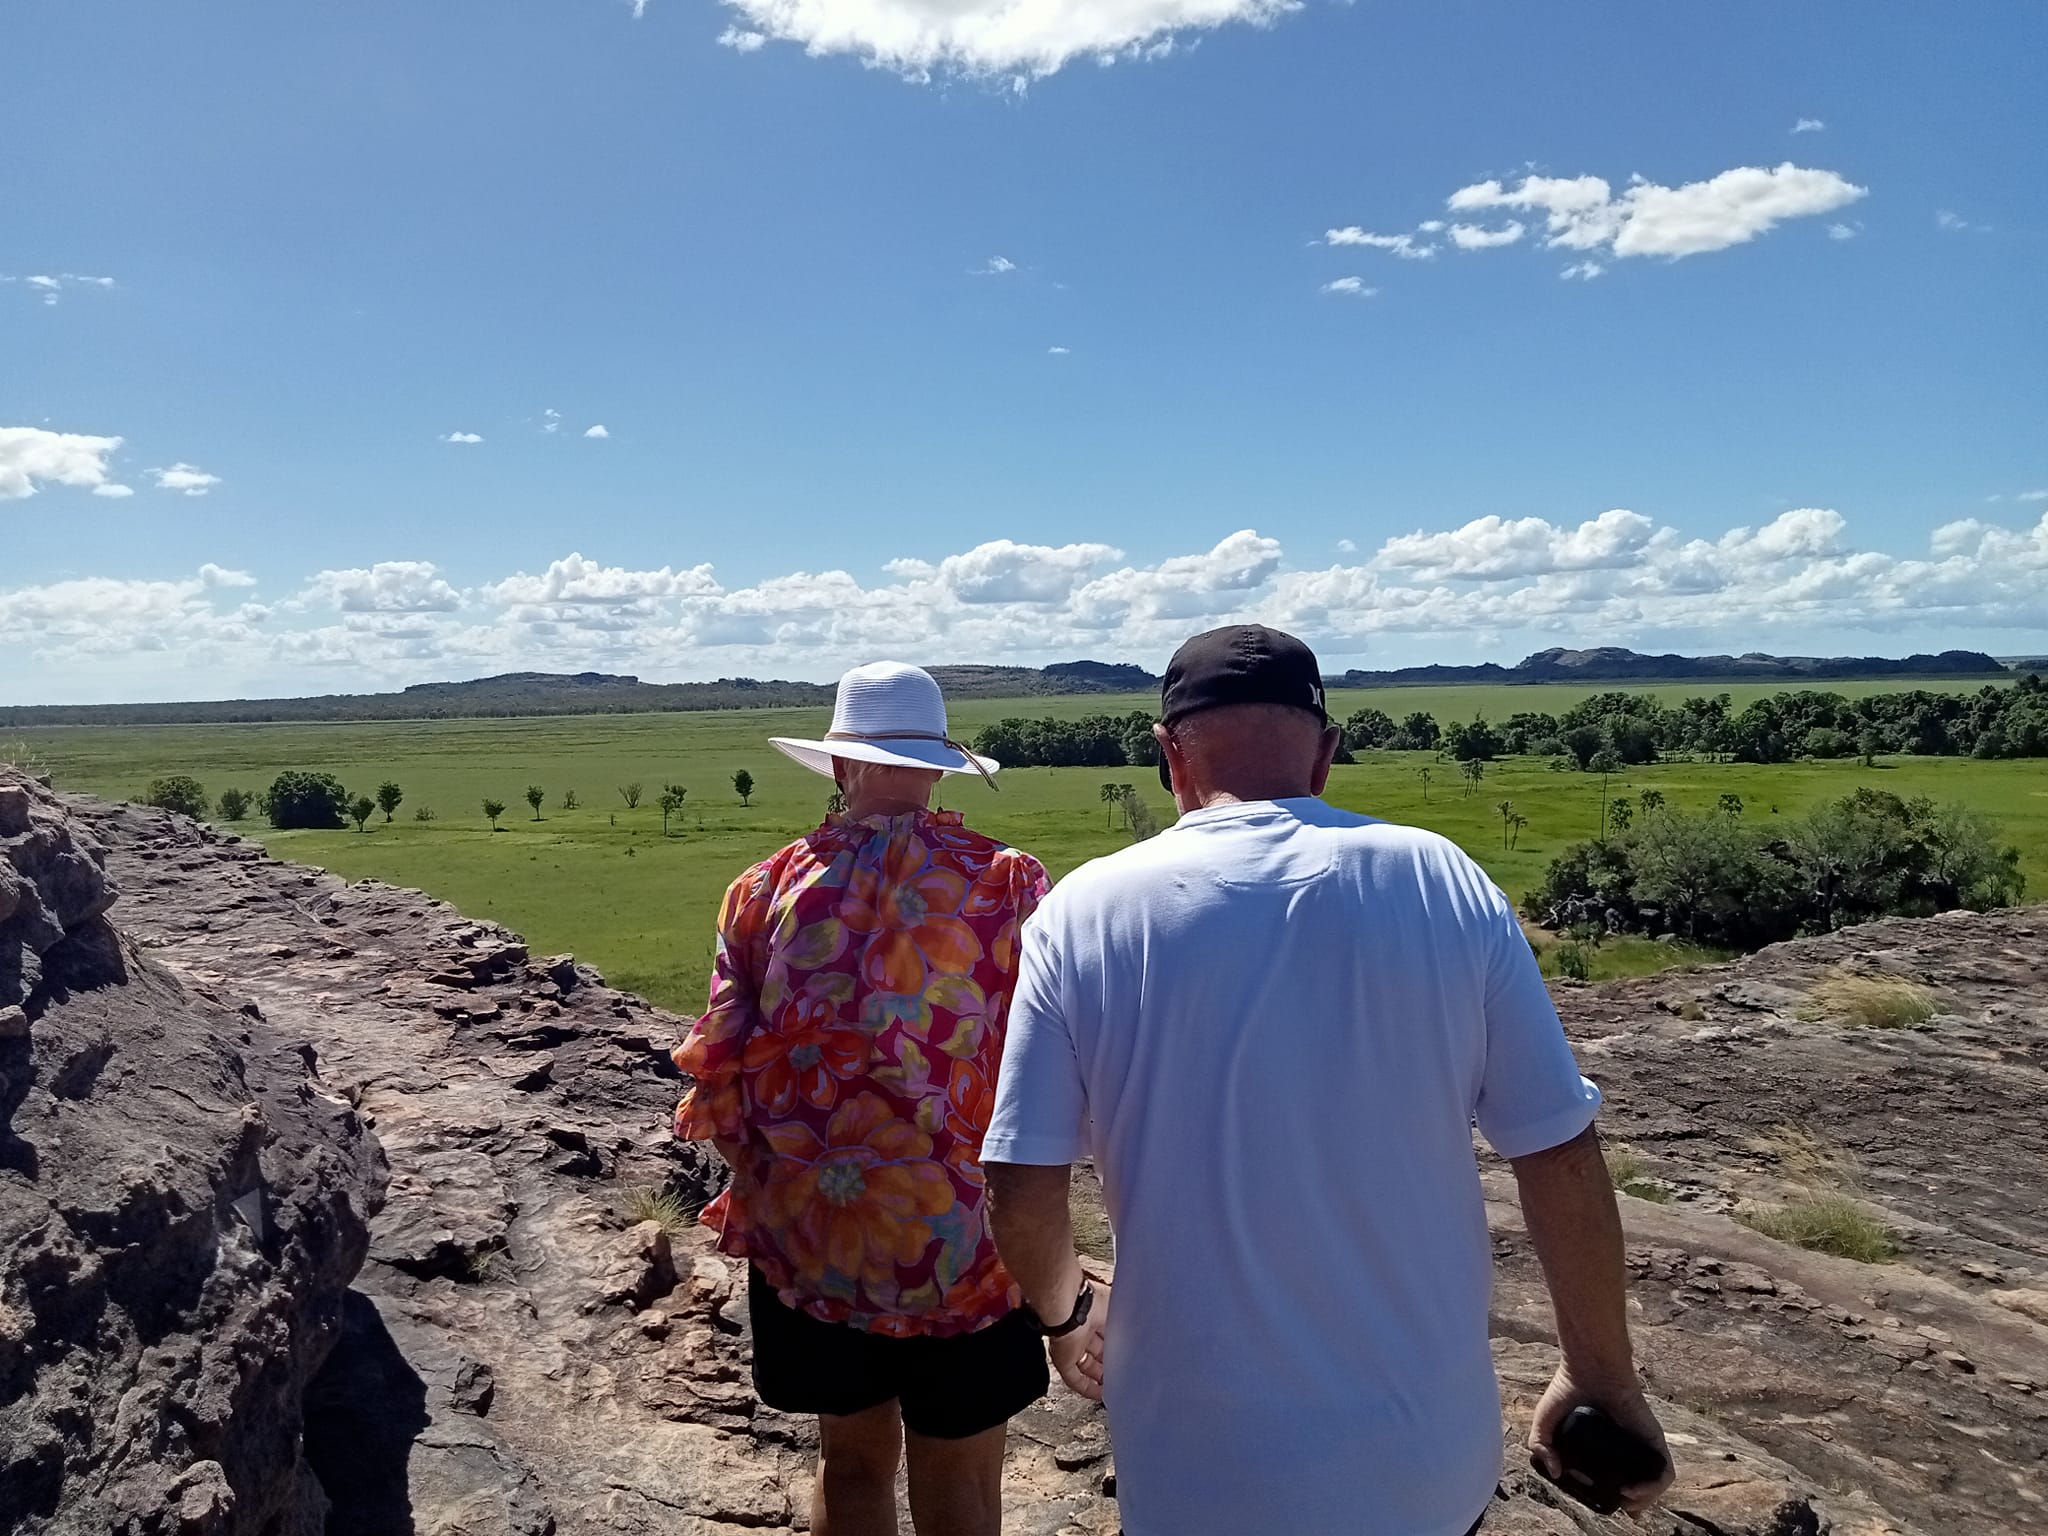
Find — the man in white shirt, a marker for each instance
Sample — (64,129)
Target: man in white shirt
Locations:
(1273,1027)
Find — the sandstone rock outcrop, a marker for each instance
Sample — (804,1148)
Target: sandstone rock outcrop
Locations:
(181,1208)
(521,1355)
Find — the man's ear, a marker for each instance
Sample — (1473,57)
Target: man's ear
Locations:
(1168,751)
(1326,754)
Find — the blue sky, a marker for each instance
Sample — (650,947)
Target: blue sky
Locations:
(1022,333)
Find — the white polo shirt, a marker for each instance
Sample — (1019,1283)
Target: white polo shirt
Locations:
(1273,1027)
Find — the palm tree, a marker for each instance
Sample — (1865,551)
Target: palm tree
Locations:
(1517,822)
(1111,796)
(1473,771)
(1425,784)
(1507,816)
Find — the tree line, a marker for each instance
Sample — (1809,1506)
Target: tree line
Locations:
(1632,728)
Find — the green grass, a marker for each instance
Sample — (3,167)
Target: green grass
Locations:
(1627,1172)
(1870,1002)
(1827,1223)
(663,1207)
(602,881)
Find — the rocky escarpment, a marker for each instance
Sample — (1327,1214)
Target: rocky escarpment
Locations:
(525,1353)
(182,1205)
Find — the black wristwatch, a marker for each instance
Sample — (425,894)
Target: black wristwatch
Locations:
(1084,1303)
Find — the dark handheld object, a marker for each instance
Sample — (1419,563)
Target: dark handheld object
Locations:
(1601,1458)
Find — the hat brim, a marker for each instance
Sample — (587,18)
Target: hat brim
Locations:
(817,755)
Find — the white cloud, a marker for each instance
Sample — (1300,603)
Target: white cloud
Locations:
(187,479)
(51,288)
(995,266)
(1808,125)
(1952,221)
(1842,231)
(742,40)
(1404,246)
(462,437)
(1583,271)
(597,431)
(1354,287)
(1582,213)
(31,457)
(1475,237)
(551,420)
(1508,583)
(1430,227)
(574,579)
(639,8)
(2031,496)
(1346,547)
(389,586)
(1018,39)
(1058,351)
(1494,548)
(110,489)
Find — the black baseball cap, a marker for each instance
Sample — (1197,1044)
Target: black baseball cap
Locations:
(1239,664)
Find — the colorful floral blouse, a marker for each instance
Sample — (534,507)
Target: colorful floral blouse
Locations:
(850,1049)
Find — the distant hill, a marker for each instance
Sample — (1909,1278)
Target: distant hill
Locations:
(607,693)
(578,693)
(1612,664)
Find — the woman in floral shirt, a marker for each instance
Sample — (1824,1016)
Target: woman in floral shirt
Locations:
(846,1069)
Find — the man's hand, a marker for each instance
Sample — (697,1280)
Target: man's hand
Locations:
(1624,1404)
(1078,1357)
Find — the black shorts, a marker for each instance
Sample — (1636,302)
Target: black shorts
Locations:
(949,1388)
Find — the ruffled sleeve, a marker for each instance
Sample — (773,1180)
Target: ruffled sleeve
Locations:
(712,1051)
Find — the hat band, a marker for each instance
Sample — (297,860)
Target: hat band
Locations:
(938,736)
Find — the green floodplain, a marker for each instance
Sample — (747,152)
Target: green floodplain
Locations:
(602,881)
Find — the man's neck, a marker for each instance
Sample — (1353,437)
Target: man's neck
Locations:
(1209,799)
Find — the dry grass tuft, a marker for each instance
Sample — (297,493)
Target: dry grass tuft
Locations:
(1826,1222)
(1870,1002)
(1627,1172)
(664,1207)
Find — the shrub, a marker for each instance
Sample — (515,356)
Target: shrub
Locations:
(180,792)
(1826,1222)
(494,809)
(534,795)
(1572,961)
(630,793)
(743,786)
(359,810)
(424,813)
(569,800)
(235,803)
(1870,1002)
(297,799)
(388,796)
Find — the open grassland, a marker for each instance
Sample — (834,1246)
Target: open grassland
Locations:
(603,882)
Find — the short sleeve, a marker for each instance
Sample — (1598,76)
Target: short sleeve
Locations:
(1531,1096)
(1041,1114)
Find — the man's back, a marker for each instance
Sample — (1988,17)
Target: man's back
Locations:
(1280,1019)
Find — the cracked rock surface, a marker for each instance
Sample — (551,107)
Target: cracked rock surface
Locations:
(523,1352)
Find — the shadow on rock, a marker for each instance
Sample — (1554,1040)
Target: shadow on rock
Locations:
(363,1413)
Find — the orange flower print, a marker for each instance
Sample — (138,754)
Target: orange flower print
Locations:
(908,908)
(859,1204)
(970,1105)
(805,1058)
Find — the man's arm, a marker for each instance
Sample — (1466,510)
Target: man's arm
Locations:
(1569,1207)
(1034,1232)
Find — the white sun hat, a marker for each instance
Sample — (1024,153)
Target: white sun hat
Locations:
(887,712)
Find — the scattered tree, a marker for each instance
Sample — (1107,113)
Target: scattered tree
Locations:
(1507,818)
(630,793)
(1424,774)
(180,792)
(235,803)
(1138,816)
(1620,813)
(1730,804)
(534,795)
(743,786)
(1111,796)
(1604,763)
(1515,824)
(359,810)
(1472,770)
(1651,800)
(569,800)
(836,806)
(304,800)
(672,798)
(388,796)
(494,809)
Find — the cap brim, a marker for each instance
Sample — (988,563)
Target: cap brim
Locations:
(817,755)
